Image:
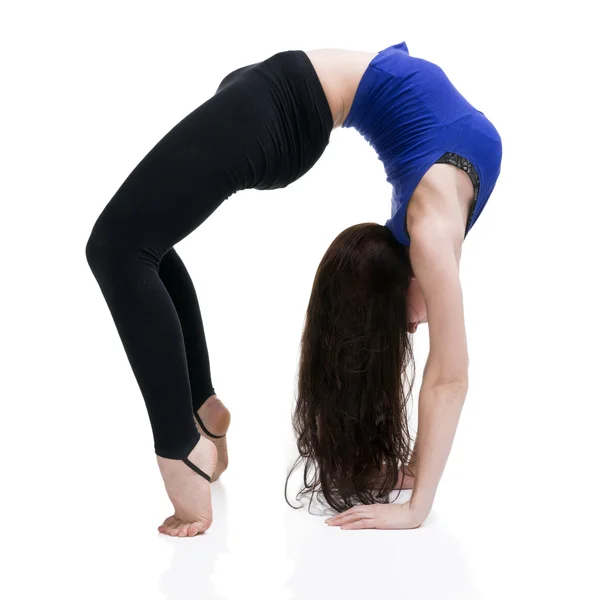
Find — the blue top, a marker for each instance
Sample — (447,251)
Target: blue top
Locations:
(410,112)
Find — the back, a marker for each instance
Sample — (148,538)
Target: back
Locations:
(413,116)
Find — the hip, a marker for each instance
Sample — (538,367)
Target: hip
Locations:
(282,113)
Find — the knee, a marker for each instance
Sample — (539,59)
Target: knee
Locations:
(95,248)
(104,250)
(114,251)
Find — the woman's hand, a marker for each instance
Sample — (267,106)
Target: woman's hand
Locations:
(379,516)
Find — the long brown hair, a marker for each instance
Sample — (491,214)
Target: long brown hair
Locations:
(350,418)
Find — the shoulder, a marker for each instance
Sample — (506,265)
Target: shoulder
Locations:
(436,227)
(440,200)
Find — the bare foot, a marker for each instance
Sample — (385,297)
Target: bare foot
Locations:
(216,418)
(188,491)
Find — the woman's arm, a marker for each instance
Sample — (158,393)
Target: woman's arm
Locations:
(436,228)
(439,412)
(411,467)
(435,251)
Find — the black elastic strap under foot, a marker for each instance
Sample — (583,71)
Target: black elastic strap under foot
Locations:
(206,431)
(192,466)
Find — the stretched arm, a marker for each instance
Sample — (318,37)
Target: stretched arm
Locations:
(436,227)
(436,242)
(411,467)
(439,412)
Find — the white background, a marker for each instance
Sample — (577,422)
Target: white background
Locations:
(88,89)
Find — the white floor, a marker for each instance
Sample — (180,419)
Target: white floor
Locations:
(83,524)
(516,513)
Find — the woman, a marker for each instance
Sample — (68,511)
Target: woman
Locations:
(265,127)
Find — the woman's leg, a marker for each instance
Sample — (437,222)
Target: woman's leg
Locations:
(263,129)
(212,153)
(169,194)
(221,147)
(213,417)
(178,282)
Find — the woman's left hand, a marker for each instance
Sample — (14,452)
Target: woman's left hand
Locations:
(379,516)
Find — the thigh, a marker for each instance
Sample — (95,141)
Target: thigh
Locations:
(215,151)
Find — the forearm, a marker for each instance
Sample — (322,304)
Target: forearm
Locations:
(409,469)
(439,412)
(412,462)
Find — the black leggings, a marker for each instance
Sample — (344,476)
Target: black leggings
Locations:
(265,127)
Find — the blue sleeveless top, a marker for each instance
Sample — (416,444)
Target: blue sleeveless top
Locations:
(411,114)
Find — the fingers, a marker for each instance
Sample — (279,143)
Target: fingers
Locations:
(336,518)
(358,517)
(360,524)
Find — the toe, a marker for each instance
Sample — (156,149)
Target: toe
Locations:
(166,523)
(179,527)
(195,529)
(172,528)
(183,531)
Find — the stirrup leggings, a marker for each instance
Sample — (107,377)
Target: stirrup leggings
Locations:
(265,127)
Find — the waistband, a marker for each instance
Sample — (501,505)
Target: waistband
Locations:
(321,100)
(297,65)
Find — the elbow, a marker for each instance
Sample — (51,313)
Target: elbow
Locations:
(454,392)
(449,374)
(436,377)
(459,384)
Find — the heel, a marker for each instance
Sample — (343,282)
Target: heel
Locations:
(206,431)
(192,466)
